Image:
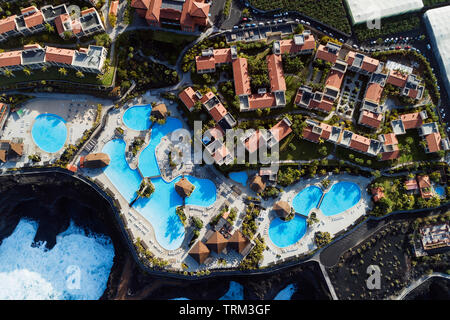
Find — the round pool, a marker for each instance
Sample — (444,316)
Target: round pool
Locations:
(284,234)
(138,117)
(49,132)
(342,196)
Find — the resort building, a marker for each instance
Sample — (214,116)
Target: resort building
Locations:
(199,252)
(257,184)
(217,242)
(308,99)
(333,84)
(363,64)
(268,138)
(159,111)
(211,58)
(408,83)
(425,188)
(389,148)
(436,238)
(314,131)
(328,52)
(113,8)
(432,137)
(189,97)
(187,15)
(360,143)
(304,43)
(377,194)
(33,20)
(239,243)
(10,150)
(90,60)
(408,121)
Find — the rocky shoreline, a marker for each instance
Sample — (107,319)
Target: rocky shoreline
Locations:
(54,199)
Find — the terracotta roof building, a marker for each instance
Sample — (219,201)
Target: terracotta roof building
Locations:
(370,119)
(282,208)
(189,97)
(304,43)
(159,111)
(184,187)
(377,194)
(257,184)
(199,252)
(425,187)
(217,242)
(95,161)
(329,52)
(238,242)
(188,14)
(10,150)
(389,149)
(361,63)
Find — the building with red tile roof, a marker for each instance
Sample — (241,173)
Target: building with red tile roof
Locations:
(188,14)
(359,62)
(189,97)
(377,194)
(304,43)
(411,185)
(433,142)
(241,77)
(261,101)
(370,119)
(59,56)
(113,8)
(212,58)
(8,27)
(397,78)
(373,92)
(11,60)
(276,74)
(308,99)
(426,191)
(218,112)
(389,149)
(328,52)
(412,120)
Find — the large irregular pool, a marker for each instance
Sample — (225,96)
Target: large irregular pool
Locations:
(49,132)
(138,117)
(306,200)
(286,233)
(160,208)
(342,196)
(76,268)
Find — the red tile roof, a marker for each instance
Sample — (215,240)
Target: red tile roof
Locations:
(396,78)
(335,79)
(281,130)
(7,24)
(276,74)
(373,92)
(289,46)
(312,136)
(411,184)
(433,141)
(323,54)
(360,143)
(114,7)
(218,112)
(59,55)
(140,4)
(34,19)
(371,119)
(59,20)
(241,76)
(87,11)
(205,63)
(411,120)
(188,97)
(10,58)
(390,139)
(252,143)
(259,101)
(377,193)
(391,155)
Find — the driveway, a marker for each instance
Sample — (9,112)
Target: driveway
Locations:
(235,15)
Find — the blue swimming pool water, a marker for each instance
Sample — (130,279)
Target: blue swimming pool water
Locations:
(160,208)
(49,132)
(138,117)
(284,234)
(147,159)
(342,196)
(440,190)
(240,177)
(306,200)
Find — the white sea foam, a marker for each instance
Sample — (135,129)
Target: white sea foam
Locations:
(286,293)
(77,267)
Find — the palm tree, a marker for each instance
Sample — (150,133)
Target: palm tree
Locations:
(27,71)
(62,71)
(80,74)
(8,73)
(44,69)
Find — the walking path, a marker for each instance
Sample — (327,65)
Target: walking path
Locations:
(418,282)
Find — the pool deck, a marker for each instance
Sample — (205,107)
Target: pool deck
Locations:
(79,115)
(331,224)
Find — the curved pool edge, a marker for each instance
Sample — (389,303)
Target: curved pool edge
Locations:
(59,118)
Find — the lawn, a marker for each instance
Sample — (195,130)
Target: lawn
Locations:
(304,150)
(52,74)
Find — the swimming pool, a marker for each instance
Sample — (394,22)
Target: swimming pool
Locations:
(240,177)
(342,196)
(306,200)
(138,117)
(440,191)
(286,233)
(147,159)
(160,208)
(49,132)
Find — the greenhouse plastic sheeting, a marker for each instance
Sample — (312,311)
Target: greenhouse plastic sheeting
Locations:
(366,10)
(439,34)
